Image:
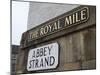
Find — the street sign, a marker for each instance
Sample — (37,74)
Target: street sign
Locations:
(74,18)
(44,57)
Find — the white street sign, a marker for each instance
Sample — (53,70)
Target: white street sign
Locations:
(44,57)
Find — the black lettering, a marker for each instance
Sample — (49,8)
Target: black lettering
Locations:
(41,62)
(30,64)
(36,63)
(33,54)
(49,48)
(37,53)
(41,52)
(47,61)
(33,63)
(52,60)
(45,51)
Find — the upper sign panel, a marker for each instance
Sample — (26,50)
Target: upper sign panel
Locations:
(79,16)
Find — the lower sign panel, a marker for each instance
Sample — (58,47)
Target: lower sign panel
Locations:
(44,57)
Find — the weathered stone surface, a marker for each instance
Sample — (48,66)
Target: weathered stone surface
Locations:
(20,61)
(71,66)
(89,37)
(89,64)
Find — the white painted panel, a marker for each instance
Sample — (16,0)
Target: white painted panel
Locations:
(44,57)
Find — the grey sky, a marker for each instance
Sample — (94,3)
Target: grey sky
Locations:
(40,12)
(19,20)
